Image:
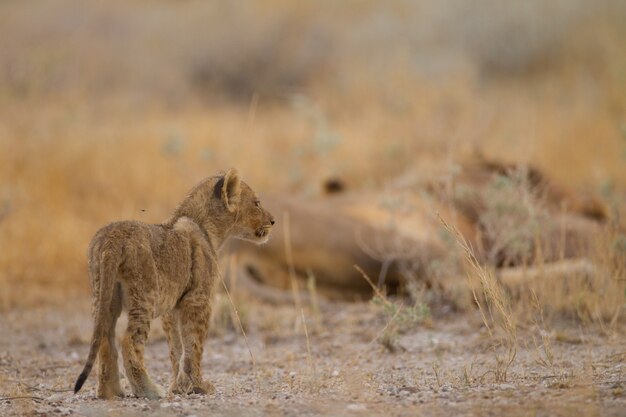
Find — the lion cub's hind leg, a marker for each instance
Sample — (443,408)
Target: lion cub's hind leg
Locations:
(171,326)
(108,375)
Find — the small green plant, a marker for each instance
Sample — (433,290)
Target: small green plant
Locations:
(512,217)
(400,319)
(435,367)
(468,371)
(543,347)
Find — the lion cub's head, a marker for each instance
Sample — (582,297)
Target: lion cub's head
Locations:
(252,221)
(224,206)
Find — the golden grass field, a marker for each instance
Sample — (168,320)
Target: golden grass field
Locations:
(112,111)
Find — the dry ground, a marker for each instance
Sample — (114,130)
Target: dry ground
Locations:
(114,110)
(443,366)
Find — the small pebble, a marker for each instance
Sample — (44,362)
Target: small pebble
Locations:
(356,407)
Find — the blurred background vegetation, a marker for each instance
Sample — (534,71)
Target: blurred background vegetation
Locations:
(113,110)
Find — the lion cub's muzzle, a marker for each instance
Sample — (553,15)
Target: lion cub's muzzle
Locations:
(264,231)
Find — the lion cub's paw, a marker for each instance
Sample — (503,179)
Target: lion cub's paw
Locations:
(182,385)
(185,385)
(110,393)
(150,391)
(204,388)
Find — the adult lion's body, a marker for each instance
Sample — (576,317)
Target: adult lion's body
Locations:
(396,236)
(165,270)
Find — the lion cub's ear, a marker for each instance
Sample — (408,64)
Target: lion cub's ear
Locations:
(231,189)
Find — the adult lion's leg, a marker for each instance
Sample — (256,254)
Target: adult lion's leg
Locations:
(171,326)
(195,311)
(108,375)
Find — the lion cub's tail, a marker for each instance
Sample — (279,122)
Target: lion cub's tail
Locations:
(108,265)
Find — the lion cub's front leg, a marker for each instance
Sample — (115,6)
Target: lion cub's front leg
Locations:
(133,352)
(194,324)
(192,313)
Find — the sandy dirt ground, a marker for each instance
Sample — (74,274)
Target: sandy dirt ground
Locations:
(443,366)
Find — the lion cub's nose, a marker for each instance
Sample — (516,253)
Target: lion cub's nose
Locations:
(272,222)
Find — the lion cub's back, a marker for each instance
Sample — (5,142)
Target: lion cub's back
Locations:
(124,235)
(149,251)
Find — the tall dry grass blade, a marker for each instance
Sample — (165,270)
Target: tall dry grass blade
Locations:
(311,364)
(232,272)
(234,307)
(252,109)
(496,304)
(314,301)
(377,291)
(295,290)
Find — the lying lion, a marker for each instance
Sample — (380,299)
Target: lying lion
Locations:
(511,217)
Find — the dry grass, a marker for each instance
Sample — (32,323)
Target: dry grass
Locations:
(78,151)
(494,307)
(113,111)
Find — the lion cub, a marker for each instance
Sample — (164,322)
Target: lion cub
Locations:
(166,270)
